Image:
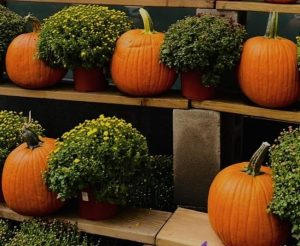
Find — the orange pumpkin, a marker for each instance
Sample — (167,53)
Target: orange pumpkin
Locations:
(22,65)
(22,183)
(135,66)
(268,73)
(237,205)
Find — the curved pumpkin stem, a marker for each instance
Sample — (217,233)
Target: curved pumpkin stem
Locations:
(148,24)
(272,26)
(35,22)
(29,136)
(257,159)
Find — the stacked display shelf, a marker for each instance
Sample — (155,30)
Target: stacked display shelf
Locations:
(236,104)
(184,226)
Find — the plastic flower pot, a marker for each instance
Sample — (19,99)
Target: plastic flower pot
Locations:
(192,87)
(89,79)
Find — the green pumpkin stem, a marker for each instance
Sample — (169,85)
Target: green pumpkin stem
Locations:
(30,138)
(272,25)
(257,159)
(148,24)
(35,22)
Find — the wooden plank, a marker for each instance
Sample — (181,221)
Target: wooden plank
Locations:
(258,6)
(110,96)
(187,228)
(155,3)
(133,224)
(238,106)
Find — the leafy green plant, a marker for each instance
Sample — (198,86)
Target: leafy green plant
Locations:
(285,161)
(81,36)
(103,155)
(154,187)
(298,49)
(7,230)
(37,232)
(11,25)
(210,44)
(11,125)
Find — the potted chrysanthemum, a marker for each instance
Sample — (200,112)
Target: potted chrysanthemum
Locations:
(82,38)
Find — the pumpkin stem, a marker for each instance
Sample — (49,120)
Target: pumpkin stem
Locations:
(272,26)
(148,24)
(29,136)
(257,159)
(35,22)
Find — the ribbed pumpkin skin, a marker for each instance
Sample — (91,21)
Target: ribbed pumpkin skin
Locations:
(22,183)
(237,205)
(24,69)
(135,67)
(268,72)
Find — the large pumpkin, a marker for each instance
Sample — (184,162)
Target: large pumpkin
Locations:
(135,66)
(237,205)
(268,73)
(22,65)
(22,183)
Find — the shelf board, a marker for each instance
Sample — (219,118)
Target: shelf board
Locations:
(154,3)
(65,91)
(258,6)
(133,224)
(239,105)
(187,228)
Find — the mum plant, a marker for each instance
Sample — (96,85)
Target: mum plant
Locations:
(11,25)
(81,36)
(11,126)
(206,43)
(103,155)
(285,162)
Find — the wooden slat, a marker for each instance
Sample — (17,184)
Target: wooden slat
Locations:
(187,228)
(139,225)
(258,6)
(155,3)
(239,106)
(112,96)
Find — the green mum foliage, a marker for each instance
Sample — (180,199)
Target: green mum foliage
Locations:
(104,154)
(210,44)
(11,125)
(285,161)
(37,232)
(81,36)
(11,25)
(154,187)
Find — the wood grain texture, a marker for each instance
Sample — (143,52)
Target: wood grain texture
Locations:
(238,106)
(258,6)
(187,228)
(134,224)
(155,3)
(111,96)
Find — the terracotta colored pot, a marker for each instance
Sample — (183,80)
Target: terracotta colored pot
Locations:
(89,79)
(192,88)
(93,210)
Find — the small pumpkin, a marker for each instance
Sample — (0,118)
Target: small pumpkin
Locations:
(22,183)
(22,65)
(268,73)
(237,204)
(135,66)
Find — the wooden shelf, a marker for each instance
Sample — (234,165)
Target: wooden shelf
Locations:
(65,91)
(258,6)
(187,228)
(154,3)
(133,224)
(243,107)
